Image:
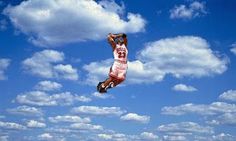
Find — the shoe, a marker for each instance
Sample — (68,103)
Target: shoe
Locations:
(100,89)
(98,86)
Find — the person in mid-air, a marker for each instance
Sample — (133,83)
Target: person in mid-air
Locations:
(119,68)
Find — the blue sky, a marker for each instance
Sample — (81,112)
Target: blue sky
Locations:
(180,83)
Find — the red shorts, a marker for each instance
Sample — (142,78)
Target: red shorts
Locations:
(118,70)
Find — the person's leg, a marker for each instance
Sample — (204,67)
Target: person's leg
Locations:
(103,86)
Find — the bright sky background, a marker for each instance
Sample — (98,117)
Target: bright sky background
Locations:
(180,85)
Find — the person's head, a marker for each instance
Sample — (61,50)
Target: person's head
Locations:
(119,40)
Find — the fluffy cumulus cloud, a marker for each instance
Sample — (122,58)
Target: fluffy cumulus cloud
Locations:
(135,117)
(86,126)
(45,137)
(94,110)
(102,69)
(46,64)
(229,95)
(48,86)
(68,118)
(186,127)
(195,9)
(114,136)
(82,20)
(182,56)
(184,88)
(4,63)
(26,111)
(214,108)
(40,98)
(11,126)
(148,136)
(35,124)
(227,119)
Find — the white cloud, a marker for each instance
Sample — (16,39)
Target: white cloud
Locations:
(149,136)
(233,49)
(135,117)
(184,88)
(193,58)
(45,64)
(223,137)
(40,98)
(102,70)
(201,109)
(93,110)
(45,136)
(195,9)
(225,119)
(48,86)
(102,96)
(11,126)
(187,127)
(85,126)
(230,95)
(4,63)
(4,138)
(174,138)
(116,137)
(39,19)
(105,136)
(68,118)
(26,111)
(35,124)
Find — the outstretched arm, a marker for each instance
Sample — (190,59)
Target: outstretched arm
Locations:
(123,35)
(111,38)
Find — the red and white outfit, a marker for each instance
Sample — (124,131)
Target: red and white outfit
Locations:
(119,68)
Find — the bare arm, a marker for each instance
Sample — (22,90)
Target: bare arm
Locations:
(110,39)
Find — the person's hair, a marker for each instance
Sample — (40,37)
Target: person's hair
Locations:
(117,40)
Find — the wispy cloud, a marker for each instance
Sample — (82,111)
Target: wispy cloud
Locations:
(233,49)
(26,111)
(11,126)
(201,109)
(185,127)
(4,63)
(102,96)
(195,9)
(85,126)
(68,118)
(40,98)
(94,110)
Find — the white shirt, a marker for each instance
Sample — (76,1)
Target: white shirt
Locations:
(120,53)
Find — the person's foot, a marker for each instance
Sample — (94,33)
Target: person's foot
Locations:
(100,89)
(99,85)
